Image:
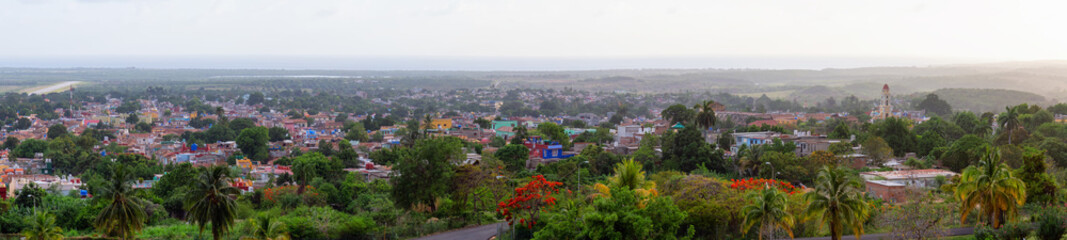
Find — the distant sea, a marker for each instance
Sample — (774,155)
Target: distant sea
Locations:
(467,63)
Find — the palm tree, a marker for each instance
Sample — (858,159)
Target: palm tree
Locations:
(991,188)
(521,133)
(303,172)
(266,228)
(628,174)
(427,123)
(768,208)
(221,115)
(839,202)
(124,215)
(1009,120)
(43,227)
(211,201)
(705,117)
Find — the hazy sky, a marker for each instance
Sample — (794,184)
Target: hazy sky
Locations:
(965,29)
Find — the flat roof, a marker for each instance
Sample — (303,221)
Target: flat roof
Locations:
(908,174)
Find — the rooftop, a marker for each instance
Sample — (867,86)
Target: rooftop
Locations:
(907,174)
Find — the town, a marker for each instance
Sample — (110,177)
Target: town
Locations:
(390,163)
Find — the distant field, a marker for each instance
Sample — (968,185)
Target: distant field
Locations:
(773,95)
(56,87)
(10,88)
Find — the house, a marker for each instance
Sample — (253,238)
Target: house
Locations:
(439,124)
(627,135)
(545,149)
(809,144)
(755,138)
(893,185)
(760,123)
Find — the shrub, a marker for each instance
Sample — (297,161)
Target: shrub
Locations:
(1051,223)
(1008,231)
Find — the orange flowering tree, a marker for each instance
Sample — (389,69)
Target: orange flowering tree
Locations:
(529,202)
(761,183)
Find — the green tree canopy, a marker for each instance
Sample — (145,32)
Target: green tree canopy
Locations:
(253,143)
(424,175)
(934,104)
(514,156)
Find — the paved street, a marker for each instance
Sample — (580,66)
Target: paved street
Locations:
(472,233)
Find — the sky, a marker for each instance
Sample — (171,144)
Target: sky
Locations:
(925,31)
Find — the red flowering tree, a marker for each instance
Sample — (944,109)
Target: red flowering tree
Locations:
(761,183)
(529,201)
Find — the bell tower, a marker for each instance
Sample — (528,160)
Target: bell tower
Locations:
(885,109)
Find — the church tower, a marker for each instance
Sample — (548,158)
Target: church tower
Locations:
(885,109)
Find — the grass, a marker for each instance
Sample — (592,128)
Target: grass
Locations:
(964,237)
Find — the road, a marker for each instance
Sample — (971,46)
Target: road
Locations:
(472,233)
(879,236)
(54,87)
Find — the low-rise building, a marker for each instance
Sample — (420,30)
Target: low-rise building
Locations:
(892,185)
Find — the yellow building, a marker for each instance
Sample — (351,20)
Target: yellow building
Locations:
(439,123)
(244,163)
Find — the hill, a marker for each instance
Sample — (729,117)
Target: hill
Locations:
(986,100)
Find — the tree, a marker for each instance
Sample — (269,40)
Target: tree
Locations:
(29,147)
(877,149)
(896,132)
(838,201)
(921,217)
(128,107)
(325,147)
(840,148)
(132,119)
(725,140)
(933,104)
(422,176)
(356,132)
(56,131)
(253,143)
(840,131)
(240,124)
(624,215)
(1040,187)
(483,123)
(686,149)
(768,208)
(23,123)
(555,133)
(255,98)
(514,156)
(520,135)
(277,134)
(1009,120)
(967,121)
(529,202)
(220,113)
(143,127)
(991,188)
(219,133)
(124,215)
(11,143)
(309,166)
(211,200)
(267,228)
(705,117)
(43,227)
(963,152)
(677,114)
